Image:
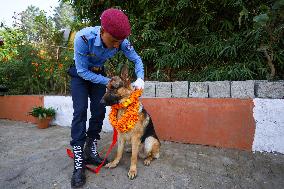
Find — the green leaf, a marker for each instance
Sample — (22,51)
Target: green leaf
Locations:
(278,4)
(261,19)
(244,13)
(264,8)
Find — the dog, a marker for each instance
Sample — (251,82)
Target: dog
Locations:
(143,138)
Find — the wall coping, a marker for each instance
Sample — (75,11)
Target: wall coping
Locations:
(249,89)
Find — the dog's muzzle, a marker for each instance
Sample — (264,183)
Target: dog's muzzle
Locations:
(110,99)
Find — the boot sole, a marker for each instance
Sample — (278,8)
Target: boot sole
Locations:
(78,185)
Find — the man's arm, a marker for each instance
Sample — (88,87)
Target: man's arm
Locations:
(131,54)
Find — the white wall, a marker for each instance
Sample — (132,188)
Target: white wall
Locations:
(64,111)
(268,115)
(269,131)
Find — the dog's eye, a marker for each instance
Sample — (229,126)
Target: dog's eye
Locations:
(111,88)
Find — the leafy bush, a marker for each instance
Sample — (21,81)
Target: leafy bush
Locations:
(40,112)
(34,58)
(201,40)
(177,40)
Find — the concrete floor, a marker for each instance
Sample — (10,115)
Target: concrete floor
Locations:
(35,158)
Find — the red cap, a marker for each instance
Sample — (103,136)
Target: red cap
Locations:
(116,23)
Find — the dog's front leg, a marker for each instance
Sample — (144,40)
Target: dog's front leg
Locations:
(120,147)
(132,173)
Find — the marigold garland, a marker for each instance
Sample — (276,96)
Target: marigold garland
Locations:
(130,117)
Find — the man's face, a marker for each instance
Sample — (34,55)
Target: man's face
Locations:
(109,40)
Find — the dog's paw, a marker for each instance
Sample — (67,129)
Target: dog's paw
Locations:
(132,173)
(147,162)
(112,164)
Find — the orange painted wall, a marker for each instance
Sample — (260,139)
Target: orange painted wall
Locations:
(217,122)
(16,107)
(208,121)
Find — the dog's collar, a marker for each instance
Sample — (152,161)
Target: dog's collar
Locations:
(126,103)
(132,98)
(130,117)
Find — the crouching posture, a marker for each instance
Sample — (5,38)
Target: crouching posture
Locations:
(131,121)
(93,46)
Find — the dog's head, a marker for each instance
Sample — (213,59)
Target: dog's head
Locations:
(118,89)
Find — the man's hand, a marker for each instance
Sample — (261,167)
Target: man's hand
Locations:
(138,84)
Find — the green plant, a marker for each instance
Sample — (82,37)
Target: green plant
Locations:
(200,40)
(41,112)
(35,57)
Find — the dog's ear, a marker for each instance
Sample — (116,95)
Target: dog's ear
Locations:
(124,72)
(124,75)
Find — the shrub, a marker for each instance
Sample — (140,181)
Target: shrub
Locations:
(41,112)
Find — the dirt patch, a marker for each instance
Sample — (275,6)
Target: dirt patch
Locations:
(36,158)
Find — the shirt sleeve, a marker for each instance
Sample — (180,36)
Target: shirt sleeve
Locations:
(131,54)
(81,50)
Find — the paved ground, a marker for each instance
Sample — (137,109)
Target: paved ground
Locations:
(34,158)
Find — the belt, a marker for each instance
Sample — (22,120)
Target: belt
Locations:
(93,69)
(96,69)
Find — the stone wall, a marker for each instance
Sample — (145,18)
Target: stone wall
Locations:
(216,89)
(244,115)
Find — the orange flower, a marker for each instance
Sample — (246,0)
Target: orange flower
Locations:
(41,52)
(60,66)
(130,117)
(34,63)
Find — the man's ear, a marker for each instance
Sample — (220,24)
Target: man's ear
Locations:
(124,75)
(102,30)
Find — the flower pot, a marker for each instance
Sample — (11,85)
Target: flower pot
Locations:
(43,123)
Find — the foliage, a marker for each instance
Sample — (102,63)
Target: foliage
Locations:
(269,26)
(9,49)
(34,58)
(41,113)
(64,17)
(177,40)
(200,40)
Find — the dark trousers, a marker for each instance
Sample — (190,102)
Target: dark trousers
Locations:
(81,90)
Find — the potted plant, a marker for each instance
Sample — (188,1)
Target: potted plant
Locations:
(44,115)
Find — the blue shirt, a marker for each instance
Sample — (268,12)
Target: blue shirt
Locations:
(89,51)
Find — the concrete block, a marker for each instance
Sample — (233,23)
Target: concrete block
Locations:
(219,89)
(198,90)
(164,89)
(180,89)
(149,89)
(242,89)
(265,89)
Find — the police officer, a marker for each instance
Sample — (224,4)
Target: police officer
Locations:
(92,47)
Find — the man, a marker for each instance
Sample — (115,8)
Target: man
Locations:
(92,47)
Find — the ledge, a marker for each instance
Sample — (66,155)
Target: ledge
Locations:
(216,89)
(247,115)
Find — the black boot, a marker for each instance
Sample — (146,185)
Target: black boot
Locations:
(92,155)
(78,178)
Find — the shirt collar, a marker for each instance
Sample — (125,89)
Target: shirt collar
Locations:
(98,40)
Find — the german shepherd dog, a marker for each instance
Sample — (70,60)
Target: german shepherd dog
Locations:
(143,139)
